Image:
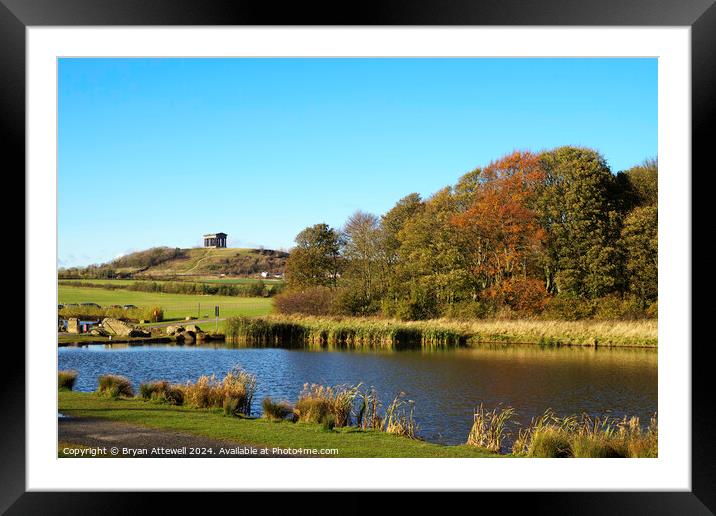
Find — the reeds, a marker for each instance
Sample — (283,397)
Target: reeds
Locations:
(587,437)
(162,392)
(376,333)
(399,418)
(276,410)
(318,403)
(489,428)
(234,393)
(356,333)
(66,380)
(114,386)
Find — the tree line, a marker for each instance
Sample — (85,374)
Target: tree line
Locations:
(553,234)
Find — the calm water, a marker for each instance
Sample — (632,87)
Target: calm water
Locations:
(445,385)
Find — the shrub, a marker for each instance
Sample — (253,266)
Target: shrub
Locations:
(310,301)
(66,380)
(276,411)
(113,385)
(153,314)
(568,307)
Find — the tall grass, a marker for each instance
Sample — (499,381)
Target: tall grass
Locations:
(234,393)
(66,380)
(318,403)
(319,332)
(399,418)
(375,333)
(489,428)
(276,410)
(114,385)
(162,391)
(586,437)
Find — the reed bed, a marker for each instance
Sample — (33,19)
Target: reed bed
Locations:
(551,436)
(318,332)
(66,380)
(375,333)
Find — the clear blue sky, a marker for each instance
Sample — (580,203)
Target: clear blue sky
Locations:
(159,151)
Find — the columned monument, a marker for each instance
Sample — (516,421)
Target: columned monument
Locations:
(215,240)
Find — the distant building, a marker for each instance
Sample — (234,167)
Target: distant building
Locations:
(215,240)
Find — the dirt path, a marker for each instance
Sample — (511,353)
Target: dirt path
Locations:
(127,440)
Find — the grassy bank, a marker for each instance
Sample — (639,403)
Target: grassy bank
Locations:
(212,423)
(392,334)
(176,306)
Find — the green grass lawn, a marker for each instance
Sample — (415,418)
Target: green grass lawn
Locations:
(257,432)
(176,306)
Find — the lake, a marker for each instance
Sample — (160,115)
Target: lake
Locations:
(445,385)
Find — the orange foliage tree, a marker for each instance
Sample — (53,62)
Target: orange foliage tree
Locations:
(499,231)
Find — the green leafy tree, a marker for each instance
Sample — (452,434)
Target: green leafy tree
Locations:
(315,260)
(640,242)
(580,216)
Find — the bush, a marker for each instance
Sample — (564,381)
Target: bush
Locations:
(113,385)
(310,301)
(350,302)
(66,380)
(153,314)
(276,411)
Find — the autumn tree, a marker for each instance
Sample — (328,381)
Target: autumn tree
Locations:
(316,258)
(499,232)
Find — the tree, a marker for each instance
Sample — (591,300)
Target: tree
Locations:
(315,260)
(639,186)
(640,242)
(580,217)
(361,251)
(499,232)
(430,268)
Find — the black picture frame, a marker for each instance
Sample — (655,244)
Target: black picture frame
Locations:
(16,15)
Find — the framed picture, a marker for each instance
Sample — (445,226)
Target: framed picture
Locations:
(415,249)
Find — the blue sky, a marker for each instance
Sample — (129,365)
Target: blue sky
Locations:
(159,151)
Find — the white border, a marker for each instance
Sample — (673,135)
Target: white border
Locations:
(670,471)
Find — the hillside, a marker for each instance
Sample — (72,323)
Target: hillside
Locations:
(191,263)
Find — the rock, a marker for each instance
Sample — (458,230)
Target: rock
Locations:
(172,329)
(192,327)
(200,335)
(98,332)
(117,327)
(136,332)
(186,336)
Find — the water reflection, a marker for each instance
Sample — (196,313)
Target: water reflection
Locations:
(446,385)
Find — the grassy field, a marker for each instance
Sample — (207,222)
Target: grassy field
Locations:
(386,333)
(176,306)
(350,442)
